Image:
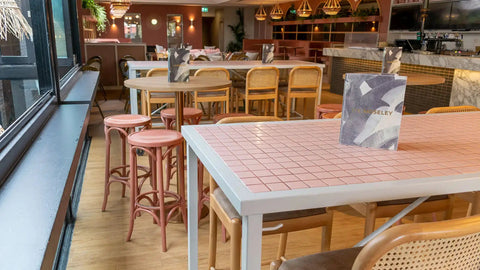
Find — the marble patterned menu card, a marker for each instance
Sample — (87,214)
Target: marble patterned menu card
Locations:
(391,60)
(178,70)
(372,110)
(267,53)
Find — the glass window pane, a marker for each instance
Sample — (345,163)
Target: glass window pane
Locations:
(59,28)
(133,26)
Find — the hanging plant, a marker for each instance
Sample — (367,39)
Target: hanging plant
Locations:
(98,12)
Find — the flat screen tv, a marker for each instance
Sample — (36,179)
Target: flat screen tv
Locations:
(405,18)
(438,16)
(465,15)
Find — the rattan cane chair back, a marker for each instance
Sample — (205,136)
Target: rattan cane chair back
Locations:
(452,109)
(303,82)
(150,97)
(217,95)
(261,84)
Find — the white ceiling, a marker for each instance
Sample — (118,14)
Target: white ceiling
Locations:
(211,2)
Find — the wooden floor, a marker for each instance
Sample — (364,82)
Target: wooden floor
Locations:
(99,237)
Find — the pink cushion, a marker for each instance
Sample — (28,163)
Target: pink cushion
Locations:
(127,120)
(155,138)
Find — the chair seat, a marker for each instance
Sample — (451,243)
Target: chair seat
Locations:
(342,259)
(155,138)
(232,213)
(219,117)
(187,113)
(126,120)
(411,200)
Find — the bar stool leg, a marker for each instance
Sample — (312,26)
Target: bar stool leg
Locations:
(133,190)
(181,184)
(124,159)
(159,178)
(107,168)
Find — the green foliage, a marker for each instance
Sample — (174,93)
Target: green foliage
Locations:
(238,31)
(98,12)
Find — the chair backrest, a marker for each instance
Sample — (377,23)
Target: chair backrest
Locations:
(338,115)
(305,77)
(449,244)
(246,119)
(239,56)
(96,58)
(155,72)
(262,78)
(122,64)
(220,73)
(453,109)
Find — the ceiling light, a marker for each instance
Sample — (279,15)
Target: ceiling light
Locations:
(331,7)
(304,10)
(118,8)
(261,15)
(277,12)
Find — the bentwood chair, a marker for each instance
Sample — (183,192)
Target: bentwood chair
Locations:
(450,244)
(468,196)
(95,64)
(261,85)
(150,97)
(221,208)
(217,95)
(303,82)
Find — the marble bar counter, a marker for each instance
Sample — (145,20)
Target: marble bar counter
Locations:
(462,76)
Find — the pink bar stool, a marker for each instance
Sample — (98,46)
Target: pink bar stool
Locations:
(124,124)
(190,115)
(327,108)
(157,144)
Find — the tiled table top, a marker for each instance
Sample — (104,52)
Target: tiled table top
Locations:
(303,154)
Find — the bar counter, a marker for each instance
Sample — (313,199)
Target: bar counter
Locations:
(462,76)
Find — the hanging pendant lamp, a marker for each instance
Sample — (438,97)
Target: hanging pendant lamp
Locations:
(277,12)
(331,7)
(118,8)
(261,15)
(304,10)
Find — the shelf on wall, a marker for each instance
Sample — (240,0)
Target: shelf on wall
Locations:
(332,20)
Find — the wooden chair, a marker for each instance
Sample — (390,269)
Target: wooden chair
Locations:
(202,58)
(451,109)
(150,97)
(221,208)
(303,82)
(468,196)
(450,244)
(217,95)
(261,85)
(123,65)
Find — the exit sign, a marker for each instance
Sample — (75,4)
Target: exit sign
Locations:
(204,9)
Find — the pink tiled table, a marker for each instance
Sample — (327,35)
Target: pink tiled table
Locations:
(283,166)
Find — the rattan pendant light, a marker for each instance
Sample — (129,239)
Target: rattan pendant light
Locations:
(276,13)
(12,21)
(331,7)
(261,15)
(304,10)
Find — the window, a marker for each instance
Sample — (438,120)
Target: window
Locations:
(19,80)
(133,26)
(29,79)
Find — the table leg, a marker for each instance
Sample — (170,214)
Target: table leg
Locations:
(252,242)
(476,203)
(192,206)
(179,110)
(132,73)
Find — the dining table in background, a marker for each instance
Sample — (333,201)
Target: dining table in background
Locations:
(285,166)
(134,66)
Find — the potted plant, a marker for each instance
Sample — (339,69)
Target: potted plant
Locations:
(98,12)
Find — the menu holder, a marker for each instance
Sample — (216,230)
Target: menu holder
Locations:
(267,53)
(391,60)
(178,70)
(372,110)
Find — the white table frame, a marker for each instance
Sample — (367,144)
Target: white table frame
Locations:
(134,66)
(252,206)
